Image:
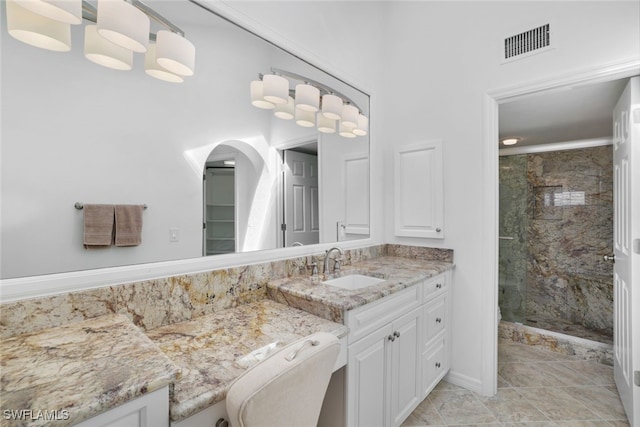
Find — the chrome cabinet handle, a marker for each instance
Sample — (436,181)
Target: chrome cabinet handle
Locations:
(438,285)
(396,334)
(437,364)
(391,337)
(438,320)
(438,230)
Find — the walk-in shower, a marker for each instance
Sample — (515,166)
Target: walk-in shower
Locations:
(556,226)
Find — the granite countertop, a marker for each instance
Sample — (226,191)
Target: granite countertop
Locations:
(79,370)
(330,302)
(214,349)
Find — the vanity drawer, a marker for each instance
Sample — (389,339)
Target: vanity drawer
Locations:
(435,364)
(434,285)
(368,318)
(435,318)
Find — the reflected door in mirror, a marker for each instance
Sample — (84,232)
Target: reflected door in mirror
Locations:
(302,225)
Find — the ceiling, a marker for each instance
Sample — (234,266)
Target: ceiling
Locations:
(562,115)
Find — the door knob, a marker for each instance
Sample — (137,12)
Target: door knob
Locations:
(611,257)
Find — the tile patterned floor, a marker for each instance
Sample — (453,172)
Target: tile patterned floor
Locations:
(536,388)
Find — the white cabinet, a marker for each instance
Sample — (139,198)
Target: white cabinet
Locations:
(436,341)
(398,351)
(419,190)
(150,410)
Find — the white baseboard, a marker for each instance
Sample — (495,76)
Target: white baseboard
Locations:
(464,381)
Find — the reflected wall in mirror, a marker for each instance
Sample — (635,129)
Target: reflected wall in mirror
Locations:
(73,131)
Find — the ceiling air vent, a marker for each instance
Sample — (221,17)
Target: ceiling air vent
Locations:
(527,43)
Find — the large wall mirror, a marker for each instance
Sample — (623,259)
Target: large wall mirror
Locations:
(75,132)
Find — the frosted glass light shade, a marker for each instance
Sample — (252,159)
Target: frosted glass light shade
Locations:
(305,118)
(326,125)
(275,89)
(123,24)
(101,51)
(175,53)
(350,116)
(257,97)
(36,30)
(285,111)
(152,68)
(66,11)
(363,126)
(346,131)
(332,106)
(307,97)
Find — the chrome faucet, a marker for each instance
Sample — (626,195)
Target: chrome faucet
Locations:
(336,266)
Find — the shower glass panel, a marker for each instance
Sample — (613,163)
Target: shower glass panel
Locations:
(513,255)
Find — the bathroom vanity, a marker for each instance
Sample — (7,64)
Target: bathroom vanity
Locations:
(147,367)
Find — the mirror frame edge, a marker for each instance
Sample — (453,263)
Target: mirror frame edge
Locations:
(20,288)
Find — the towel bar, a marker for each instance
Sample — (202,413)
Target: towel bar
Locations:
(80,206)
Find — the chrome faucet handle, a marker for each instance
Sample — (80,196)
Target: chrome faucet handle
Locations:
(336,265)
(314,270)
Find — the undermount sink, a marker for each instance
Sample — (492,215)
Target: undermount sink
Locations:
(353,281)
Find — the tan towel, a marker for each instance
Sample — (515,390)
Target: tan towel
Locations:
(129,225)
(98,226)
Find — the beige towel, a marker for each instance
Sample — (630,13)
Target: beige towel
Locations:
(129,225)
(98,226)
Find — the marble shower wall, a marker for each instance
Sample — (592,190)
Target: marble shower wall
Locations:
(568,228)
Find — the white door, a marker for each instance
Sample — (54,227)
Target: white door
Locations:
(626,236)
(302,225)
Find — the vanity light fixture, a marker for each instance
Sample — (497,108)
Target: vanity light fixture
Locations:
(37,30)
(332,106)
(285,111)
(257,96)
(350,115)
(123,24)
(275,89)
(67,11)
(101,51)
(325,125)
(363,126)
(175,53)
(121,28)
(347,131)
(307,97)
(152,68)
(310,104)
(510,141)
(305,118)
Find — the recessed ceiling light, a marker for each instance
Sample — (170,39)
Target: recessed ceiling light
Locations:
(510,141)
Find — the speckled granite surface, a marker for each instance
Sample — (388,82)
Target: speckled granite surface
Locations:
(214,349)
(311,295)
(87,351)
(79,370)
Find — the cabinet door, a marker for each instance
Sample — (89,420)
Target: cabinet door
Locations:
(405,366)
(419,192)
(367,378)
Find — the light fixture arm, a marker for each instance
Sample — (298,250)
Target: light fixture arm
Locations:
(90,13)
(323,89)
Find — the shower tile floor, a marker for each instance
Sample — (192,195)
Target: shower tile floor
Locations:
(536,388)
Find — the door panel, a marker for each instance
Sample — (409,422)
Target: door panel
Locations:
(301,198)
(626,149)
